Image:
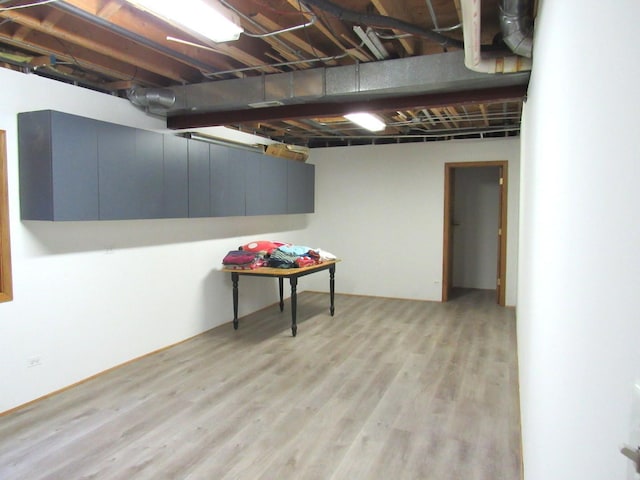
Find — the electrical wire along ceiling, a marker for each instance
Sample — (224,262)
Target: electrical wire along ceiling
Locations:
(291,70)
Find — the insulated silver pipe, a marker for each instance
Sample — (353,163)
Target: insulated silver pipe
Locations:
(517,26)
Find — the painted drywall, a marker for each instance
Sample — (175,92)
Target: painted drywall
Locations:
(476,220)
(578,323)
(380,208)
(92,295)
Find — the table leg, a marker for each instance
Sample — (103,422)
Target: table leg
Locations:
(294,303)
(332,272)
(280,284)
(234,279)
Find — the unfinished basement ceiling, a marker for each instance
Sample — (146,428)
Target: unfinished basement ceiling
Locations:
(293,86)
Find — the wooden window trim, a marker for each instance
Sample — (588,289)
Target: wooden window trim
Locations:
(6,286)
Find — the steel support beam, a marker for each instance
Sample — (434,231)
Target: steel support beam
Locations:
(311,110)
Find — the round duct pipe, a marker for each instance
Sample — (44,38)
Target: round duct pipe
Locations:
(517,26)
(162,98)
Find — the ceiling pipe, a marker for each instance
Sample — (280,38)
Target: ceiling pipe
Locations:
(517,26)
(474,59)
(382,21)
(152,98)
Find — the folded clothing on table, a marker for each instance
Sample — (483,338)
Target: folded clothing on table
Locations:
(241,260)
(274,254)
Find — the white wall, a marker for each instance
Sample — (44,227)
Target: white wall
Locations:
(578,320)
(92,295)
(476,216)
(380,209)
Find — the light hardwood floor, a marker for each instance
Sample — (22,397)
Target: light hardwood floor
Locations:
(386,389)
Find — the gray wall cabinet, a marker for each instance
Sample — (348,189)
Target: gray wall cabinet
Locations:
(228,183)
(176,177)
(130,164)
(266,184)
(75,168)
(300,187)
(199,179)
(58,156)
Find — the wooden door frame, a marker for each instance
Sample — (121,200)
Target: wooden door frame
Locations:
(447,256)
(6,286)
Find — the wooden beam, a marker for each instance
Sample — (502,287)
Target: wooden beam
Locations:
(320,26)
(110,8)
(357,51)
(90,62)
(391,9)
(97,43)
(52,18)
(483,110)
(437,112)
(300,44)
(453,115)
(312,110)
(147,26)
(42,61)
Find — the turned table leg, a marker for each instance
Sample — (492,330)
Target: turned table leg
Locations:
(234,279)
(294,303)
(332,272)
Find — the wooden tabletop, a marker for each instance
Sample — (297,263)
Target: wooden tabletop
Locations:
(280,272)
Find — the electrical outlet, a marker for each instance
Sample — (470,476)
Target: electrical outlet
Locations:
(34,361)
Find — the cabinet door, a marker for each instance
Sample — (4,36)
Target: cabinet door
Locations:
(199,179)
(266,178)
(58,166)
(149,173)
(75,167)
(176,177)
(130,173)
(300,187)
(227,181)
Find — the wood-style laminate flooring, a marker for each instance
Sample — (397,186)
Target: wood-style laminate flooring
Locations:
(386,389)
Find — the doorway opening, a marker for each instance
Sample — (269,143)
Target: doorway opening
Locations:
(475,227)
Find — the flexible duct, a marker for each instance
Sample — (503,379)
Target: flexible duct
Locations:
(152,98)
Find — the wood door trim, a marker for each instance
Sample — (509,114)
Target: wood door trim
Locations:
(6,286)
(447,256)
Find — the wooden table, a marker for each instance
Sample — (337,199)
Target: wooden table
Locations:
(281,273)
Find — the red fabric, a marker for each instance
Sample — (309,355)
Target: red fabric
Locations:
(305,261)
(261,246)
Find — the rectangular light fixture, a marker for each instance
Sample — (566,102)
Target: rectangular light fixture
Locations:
(371,40)
(209,19)
(366,120)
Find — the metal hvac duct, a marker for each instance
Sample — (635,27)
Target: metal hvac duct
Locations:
(389,78)
(483,62)
(152,98)
(517,26)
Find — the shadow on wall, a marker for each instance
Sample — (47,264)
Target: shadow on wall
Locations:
(50,238)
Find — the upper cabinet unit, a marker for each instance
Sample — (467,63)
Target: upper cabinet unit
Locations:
(131,172)
(75,168)
(58,166)
(300,187)
(176,177)
(266,184)
(228,181)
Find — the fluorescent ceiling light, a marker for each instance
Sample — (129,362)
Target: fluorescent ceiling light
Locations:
(366,120)
(207,19)
(371,40)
